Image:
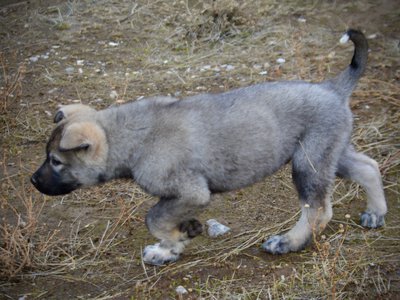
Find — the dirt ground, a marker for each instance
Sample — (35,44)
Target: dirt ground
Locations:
(88,245)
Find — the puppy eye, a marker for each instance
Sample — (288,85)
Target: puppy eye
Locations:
(55,162)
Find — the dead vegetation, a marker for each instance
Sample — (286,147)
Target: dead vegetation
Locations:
(88,244)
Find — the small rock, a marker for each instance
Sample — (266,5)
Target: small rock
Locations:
(205,68)
(216,229)
(301,20)
(34,58)
(281,60)
(113,95)
(228,67)
(69,70)
(181,290)
(80,62)
(113,44)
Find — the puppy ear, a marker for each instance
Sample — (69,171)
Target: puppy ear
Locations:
(87,137)
(67,111)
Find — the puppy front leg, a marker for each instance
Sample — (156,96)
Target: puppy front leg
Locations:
(172,221)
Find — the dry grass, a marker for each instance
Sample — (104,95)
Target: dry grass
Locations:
(88,244)
(23,247)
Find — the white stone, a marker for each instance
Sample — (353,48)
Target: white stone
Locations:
(113,44)
(113,94)
(281,60)
(34,58)
(69,70)
(181,290)
(216,229)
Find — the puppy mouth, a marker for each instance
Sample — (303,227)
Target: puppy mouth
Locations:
(53,189)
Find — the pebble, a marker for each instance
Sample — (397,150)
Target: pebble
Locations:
(113,44)
(34,58)
(216,229)
(228,67)
(181,290)
(205,68)
(69,70)
(301,20)
(113,95)
(281,60)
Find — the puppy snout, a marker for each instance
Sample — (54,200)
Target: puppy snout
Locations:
(34,179)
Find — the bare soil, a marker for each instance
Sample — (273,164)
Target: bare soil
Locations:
(88,245)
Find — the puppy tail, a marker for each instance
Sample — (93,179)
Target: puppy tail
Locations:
(346,81)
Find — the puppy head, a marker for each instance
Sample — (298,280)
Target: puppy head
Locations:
(76,156)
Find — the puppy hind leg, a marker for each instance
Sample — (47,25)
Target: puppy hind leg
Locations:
(315,215)
(313,183)
(365,171)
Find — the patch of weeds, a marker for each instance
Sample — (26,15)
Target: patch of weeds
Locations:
(57,15)
(211,21)
(23,245)
(10,88)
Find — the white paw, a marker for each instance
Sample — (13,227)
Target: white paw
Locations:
(157,255)
(372,220)
(277,244)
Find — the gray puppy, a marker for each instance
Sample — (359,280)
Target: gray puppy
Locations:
(183,151)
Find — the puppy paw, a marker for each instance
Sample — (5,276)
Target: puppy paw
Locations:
(277,244)
(157,255)
(372,220)
(192,227)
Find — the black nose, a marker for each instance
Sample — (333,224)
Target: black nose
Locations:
(34,179)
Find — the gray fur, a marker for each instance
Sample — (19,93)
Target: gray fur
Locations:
(183,151)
